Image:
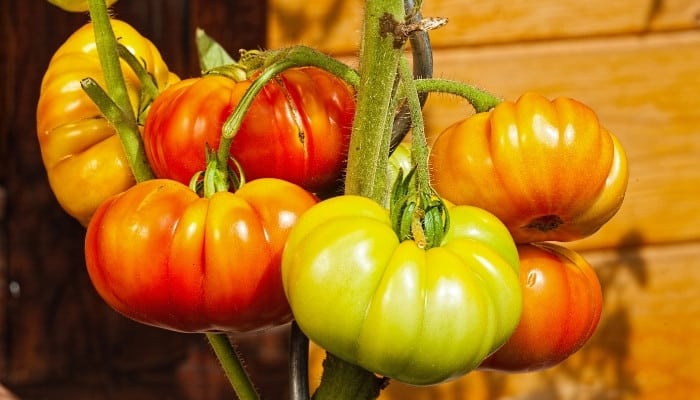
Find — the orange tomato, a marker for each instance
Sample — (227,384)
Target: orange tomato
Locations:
(161,255)
(562,303)
(547,169)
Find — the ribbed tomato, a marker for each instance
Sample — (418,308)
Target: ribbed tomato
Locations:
(548,169)
(297,129)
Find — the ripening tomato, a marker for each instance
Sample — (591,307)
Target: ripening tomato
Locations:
(161,255)
(562,303)
(416,315)
(547,169)
(297,129)
(82,154)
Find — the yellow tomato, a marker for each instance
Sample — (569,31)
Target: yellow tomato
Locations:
(82,154)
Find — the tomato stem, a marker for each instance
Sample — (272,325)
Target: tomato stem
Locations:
(307,56)
(422,53)
(149,88)
(419,144)
(480,99)
(277,62)
(121,121)
(380,51)
(127,129)
(345,381)
(235,120)
(381,48)
(426,220)
(232,366)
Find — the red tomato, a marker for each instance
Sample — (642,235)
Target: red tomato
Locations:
(297,129)
(547,169)
(163,256)
(562,303)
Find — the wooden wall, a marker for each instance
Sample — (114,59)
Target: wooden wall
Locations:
(637,63)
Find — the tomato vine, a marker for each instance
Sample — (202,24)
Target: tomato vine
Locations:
(390,98)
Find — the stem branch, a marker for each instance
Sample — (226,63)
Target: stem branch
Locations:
(232,366)
(127,129)
(480,99)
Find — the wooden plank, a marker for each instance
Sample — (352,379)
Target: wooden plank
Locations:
(646,347)
(644,89)
(675,14)
(334,25)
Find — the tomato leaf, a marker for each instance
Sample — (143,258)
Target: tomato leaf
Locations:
(211,53)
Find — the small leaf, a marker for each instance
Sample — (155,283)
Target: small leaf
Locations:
(211,53)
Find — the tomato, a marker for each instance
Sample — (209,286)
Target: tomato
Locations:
(547,169)
(76,5)
(81,152)
(562,303)
(415,315)
(161,255)
(297,129)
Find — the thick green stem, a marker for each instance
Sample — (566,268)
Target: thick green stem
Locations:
(380,52)
(345,381)
(106,44)
(232,366)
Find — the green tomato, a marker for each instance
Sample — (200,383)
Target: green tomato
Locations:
(421,316)
(75,5)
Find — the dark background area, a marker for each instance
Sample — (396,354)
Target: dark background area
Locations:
(58,339)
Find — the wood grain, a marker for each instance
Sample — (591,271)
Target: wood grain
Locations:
(644,89)
(334,25)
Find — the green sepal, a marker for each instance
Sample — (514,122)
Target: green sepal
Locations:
(416,215)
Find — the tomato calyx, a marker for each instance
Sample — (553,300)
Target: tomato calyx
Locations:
(417,215)
(545,223)
(234,71)
(218,176)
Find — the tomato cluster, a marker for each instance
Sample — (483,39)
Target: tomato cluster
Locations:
(422,288)
(550,172)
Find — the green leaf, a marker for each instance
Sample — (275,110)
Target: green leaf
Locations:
(211,53)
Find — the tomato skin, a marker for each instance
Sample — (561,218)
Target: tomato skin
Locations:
(183,120)
(562,304)
(163,256)
(297,129)
(415,315)
(547,169)
(84,159)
